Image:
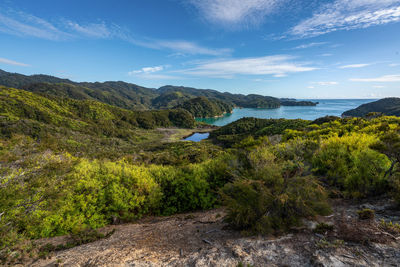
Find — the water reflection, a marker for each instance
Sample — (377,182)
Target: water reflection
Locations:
(197,137)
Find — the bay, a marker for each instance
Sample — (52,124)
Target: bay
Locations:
(331,107)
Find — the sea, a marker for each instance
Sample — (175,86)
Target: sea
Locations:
(331,107)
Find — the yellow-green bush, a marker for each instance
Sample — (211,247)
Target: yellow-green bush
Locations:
(348,163)
(266,200)
(88,194)
(98,192)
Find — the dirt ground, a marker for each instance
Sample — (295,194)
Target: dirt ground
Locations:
(203,239)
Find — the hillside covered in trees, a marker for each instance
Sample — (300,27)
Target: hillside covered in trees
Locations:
(204,107)
(135,97)
(387,106)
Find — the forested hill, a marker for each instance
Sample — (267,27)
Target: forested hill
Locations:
(205,108)
(387,106)
(23,112)
(135,97)
(120,94)
(245,101)
(17,80)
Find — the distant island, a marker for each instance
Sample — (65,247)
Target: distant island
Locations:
(387,106)
(298,103)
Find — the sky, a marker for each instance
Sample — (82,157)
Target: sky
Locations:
(304,49)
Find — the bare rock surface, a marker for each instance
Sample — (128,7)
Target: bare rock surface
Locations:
(203,239)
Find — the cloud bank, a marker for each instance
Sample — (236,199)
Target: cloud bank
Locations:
(386,78)
(12,62)
(277,66)
(326,83)
(235,13)
(354,66)
(348,15)
(27,25)
(22,24)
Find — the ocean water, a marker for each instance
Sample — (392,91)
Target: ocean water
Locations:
(332,107)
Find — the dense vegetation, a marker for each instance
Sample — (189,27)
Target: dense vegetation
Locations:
(118,94)
(387,106)
(69,165)
(232,134)
(355,156)
(127,95)
(170,100)
(245,101)
(275,172)
(204,107)
(18,80)
(84,116)
(121,94)
(271,194)
(135,97)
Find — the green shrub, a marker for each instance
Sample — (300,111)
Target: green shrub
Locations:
(253,206)
(265,201)
(183,189)
(395,184)
(389,226)
(98,192)
(389,144)
(323,228)
(366,214)
(348,163)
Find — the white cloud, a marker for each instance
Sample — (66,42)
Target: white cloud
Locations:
(179,47)
(151,76)
(304,46)
(347,15)
(151,73)
(152,69)
(22,24)
(190,47)
(277,66)
(262,80)
(96,30)
(386,78)
(326,83)
(146,70)
(354,66)
(12,62)
(234,13)
(394,65)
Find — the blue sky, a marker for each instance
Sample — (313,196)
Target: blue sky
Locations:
(283,48)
